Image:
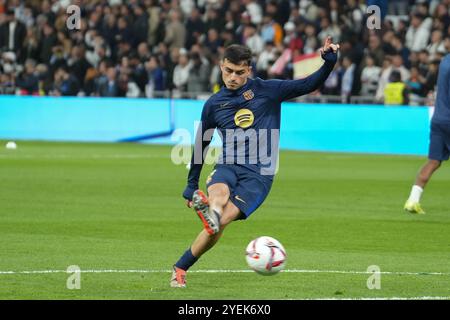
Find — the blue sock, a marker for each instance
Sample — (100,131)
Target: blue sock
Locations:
(186,260)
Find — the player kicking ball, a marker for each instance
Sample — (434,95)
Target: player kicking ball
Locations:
(247,110)
(439,149)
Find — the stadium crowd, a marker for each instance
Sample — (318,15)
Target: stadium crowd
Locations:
(139,48)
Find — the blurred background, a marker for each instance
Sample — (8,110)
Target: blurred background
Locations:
(145,48)
(153,63)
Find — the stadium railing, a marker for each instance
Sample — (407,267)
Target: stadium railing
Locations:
(331,99)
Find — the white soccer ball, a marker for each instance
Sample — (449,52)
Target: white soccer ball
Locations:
(266,255)
(11,145)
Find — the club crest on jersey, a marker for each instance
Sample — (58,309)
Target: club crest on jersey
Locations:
(244,118)
(248,95)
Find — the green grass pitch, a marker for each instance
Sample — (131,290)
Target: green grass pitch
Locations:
(118,207)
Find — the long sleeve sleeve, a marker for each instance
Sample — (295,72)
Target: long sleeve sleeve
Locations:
(202,142)
(290,89)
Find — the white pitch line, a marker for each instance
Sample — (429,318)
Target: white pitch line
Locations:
(82,157)
(225,271)
(385,298)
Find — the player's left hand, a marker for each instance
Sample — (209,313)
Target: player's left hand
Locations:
(329,46)
(188,192)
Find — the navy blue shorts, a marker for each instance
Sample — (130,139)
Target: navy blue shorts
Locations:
(248,190)
(439,142)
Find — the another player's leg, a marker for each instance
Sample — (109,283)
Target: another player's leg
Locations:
(439,150)
(412,205)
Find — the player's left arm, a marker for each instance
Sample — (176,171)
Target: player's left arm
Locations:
(200,148)
(294,88)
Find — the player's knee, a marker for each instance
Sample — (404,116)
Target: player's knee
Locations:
(435,164)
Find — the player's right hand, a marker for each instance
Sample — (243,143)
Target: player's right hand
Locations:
(329,46)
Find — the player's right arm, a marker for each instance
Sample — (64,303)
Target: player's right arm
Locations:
(288,89)
(202,142)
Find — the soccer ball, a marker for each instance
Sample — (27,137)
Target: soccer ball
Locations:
(11,145)
(266,255)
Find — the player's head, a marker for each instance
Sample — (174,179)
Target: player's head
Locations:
(236,66)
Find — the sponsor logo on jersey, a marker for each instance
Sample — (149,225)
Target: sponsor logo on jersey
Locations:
(244,118)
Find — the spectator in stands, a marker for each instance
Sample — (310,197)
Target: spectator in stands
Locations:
(418,33)
(198,75)
(156,80)
(279,10)
(369,77)
(44,79)
(328,29)
(352,17)
(48,41)
(397,64)
(124,32)
(253,40)
(215,79)
(310,44)
(127,87)
(78,64)
(436,45)
(100,52)
(398,7)
(431,76)
(181,72)
(308,9)
(214,20)
(140,25)
(347,78)
(109,30)
(254,10)
(441,17)
(396,92)
(415,86)
(423,62)
(108,87)
(12,34)
(265,59)
(196,28)
(212,41)
(292,40)
(271,31)
(400,48)
(27,82)
(375,49)
(332,85)
(46,11)
(31,45)
(175,31)
(7,85)
(65,84)
(8,63)
(227,38)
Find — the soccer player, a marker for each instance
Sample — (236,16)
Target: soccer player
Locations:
(246,114)
(439,148)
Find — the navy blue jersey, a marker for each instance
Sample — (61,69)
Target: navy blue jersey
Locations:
(442,108)
(248,121)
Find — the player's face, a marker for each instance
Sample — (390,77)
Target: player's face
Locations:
(234,76)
